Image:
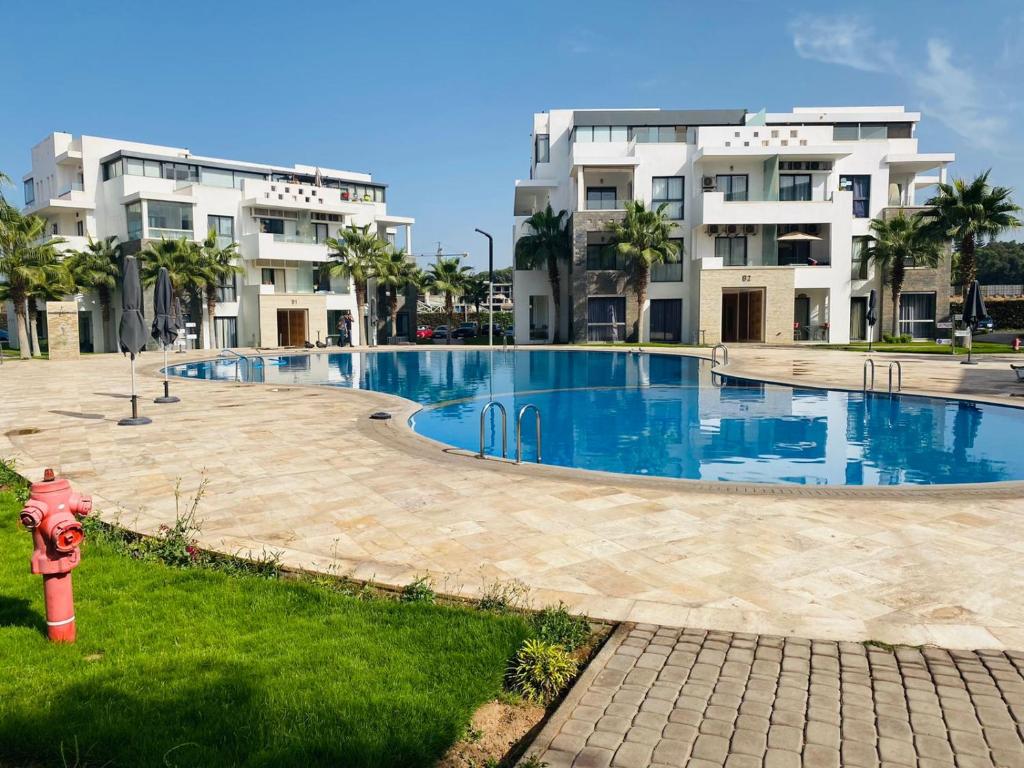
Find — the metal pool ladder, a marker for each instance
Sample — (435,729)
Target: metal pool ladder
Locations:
(504,425)
(519,431)
(714,354)
(869,362)
(249,361)
(899,376)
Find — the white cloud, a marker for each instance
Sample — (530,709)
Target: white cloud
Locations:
(949,92)
(580,41)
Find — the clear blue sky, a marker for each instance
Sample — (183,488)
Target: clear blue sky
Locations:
(436,98)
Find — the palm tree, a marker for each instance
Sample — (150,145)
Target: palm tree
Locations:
(395,272)
(356,253)
(30,265)
(549,245)
(98,268)
(898,243)
(476,292)
(449,277)
(185,265)
(220,265)
(971,213)
(643,238)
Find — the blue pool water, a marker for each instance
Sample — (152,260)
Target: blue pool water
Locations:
(663,415)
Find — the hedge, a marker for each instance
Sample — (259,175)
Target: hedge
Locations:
(1008,313)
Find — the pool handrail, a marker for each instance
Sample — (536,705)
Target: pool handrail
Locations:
(714,354)
(519,431)
(504,428)
(869,362)
(249,361)
(899,376)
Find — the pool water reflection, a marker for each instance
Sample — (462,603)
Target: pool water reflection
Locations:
(664,415)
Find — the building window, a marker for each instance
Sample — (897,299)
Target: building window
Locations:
(602,256)
(669,190)
(861,188)
(80,228)
(267,276)
(659,134)
(671,270)
(223,228)
(227,288)
(602,199)
(858,262)
(113,169)
(227,331)
(55,228)
(133,213)
(606,318)
(734,185)
(872,131)
(794,252)
(30,192)
(542,148)
(917,315)
(795,186)
(170,220)
(586,134)
(732,251)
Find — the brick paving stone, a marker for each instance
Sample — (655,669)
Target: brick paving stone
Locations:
(742,761)
(671,752)
(781,758)
(633,755)
(593,757)
(857,754)
(578,727)
(821,757)
(747,742)
(605,740)
(709,747)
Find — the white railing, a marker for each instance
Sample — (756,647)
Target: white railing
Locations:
(169,234)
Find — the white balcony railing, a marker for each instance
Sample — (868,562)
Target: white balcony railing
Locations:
(67,189)
(165,233)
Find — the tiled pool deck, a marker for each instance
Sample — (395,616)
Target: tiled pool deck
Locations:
(302,470)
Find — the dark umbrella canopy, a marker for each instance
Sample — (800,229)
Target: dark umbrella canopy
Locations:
(132,329)
(974,307)
(872,318)
(165,326)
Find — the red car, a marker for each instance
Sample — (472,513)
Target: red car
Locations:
(424,332)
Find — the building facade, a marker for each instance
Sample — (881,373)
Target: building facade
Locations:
(280,217)
(771,212)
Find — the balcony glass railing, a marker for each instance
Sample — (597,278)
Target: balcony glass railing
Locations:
(605,205)
(666,273)
(169,234)
(67,189)
(296,238)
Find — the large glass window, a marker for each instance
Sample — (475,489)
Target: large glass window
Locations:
(113,169)
(180,171)
(217,177)
(917,315)
(542,151)
(170,220)
(133,213)
(734,185)
(671,270)
(600,133)
(601,199)
(794,252)
(227,288)
(30,192)
(227,331)
(869,131)
(604,256)
(732,251)
(606,318)
(659,134)
(795,186)
(858,261)
(223,228)
(861,188)
(668,189)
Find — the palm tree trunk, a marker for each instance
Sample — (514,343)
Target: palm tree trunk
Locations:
(393,309)
(33,322)
(211,313)
(556,293)
(641,299)
(898,277)
(968,264)
(21,317)
(103,293)
(363,320)
(449,306)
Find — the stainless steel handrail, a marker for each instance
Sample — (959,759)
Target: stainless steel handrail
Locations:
(504,426)
(249,362)
(868,362)
(899,376)
(714,354)
(519,431)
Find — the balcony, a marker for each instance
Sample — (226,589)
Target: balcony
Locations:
(609,204)
(165,233)
(718,210)
(263,245)
(67,189)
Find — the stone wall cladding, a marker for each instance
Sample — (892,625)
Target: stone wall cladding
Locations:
(584,283)
(777,283)
(62,330)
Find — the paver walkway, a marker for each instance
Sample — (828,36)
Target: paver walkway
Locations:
(658,696)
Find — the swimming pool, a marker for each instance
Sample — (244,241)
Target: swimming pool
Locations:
(665,415)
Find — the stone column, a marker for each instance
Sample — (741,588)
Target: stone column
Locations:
(62,327)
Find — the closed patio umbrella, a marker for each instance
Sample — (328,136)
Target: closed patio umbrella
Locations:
(132,330)
(165,326)
(872,317)
(974,311)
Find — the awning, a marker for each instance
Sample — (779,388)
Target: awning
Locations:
(796,237)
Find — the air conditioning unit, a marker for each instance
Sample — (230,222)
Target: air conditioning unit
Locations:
(707,183)
(732,229)
(750,229)
(812,229)
(712,229)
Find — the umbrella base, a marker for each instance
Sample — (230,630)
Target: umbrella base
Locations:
(134,421)
(167,399)
(968,362)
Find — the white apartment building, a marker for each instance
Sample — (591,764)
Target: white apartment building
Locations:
(772,211)
(279,216)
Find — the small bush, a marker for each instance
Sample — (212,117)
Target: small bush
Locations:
(532,761)
(419,591)
(541,670)
(11,480)
(504,596)
(906,338)
(556,625)
(888,338)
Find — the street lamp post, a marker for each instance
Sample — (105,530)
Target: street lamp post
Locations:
(490,285)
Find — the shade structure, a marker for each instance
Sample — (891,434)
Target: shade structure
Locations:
(165,326)
(132,330)
(974,311)
(791,237)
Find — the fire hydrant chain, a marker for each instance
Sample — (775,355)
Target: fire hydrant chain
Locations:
(50,514)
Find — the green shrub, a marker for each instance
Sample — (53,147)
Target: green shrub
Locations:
(888,338)
(541,670)
(906,338)
(1007,312)
(504,596)
(10,479)
(556,625)
(419,591)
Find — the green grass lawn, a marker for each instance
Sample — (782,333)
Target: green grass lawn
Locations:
(927,348)
(195,667)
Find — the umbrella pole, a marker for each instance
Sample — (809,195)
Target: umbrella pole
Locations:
(167,397)
(135,419)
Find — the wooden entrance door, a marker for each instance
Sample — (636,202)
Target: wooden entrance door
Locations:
(291,327)
(743,316)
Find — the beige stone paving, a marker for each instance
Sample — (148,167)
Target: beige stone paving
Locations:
(303,471)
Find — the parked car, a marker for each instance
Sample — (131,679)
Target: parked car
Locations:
(485,328)
(466,331)
(986,324)
(3,336)
(424,332)
(440,332)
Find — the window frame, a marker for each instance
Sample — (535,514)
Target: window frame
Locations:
(847,183)
(681,200)
(603,199)
(728,260)
(29,191)
(542,139)
(810,187)
(731,176)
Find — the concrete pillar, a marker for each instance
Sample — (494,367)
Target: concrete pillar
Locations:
(62,325)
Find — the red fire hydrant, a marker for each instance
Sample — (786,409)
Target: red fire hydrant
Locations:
(50,515)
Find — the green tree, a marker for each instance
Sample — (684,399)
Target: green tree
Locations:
(449,277)
(1001,263)
(971,213)
(547,246)
(185,263)
(395,273)
(643,238)
(97,268)
(29,264)
(897,243)
(355,254)
(476,291)
(220,264)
